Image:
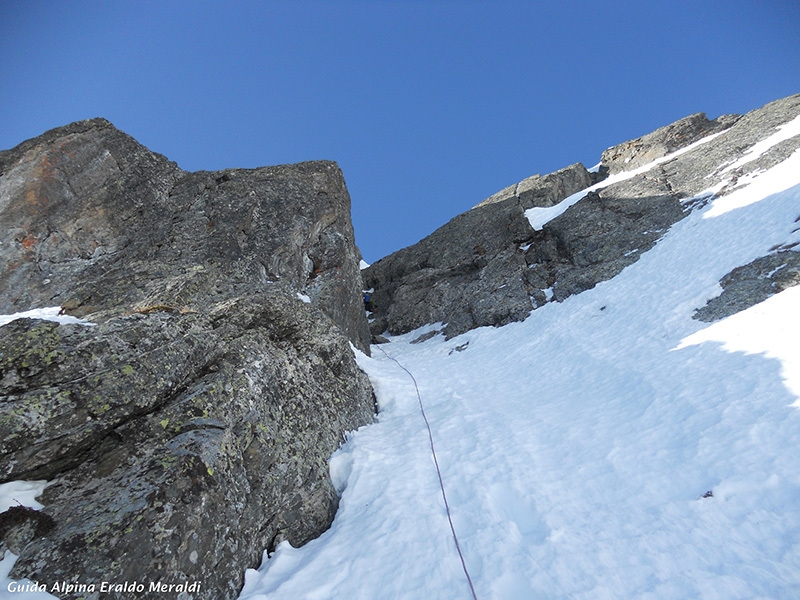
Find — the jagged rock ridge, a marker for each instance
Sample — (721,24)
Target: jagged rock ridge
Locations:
(469,272)
(488,266)
(189,428)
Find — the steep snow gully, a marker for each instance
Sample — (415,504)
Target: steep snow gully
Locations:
(609,446)
(438,472)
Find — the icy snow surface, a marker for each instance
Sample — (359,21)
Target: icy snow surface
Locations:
(21,493)
(607,447)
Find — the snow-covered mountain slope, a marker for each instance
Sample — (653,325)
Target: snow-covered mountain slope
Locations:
(609,446)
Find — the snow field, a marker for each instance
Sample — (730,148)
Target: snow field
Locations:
(51,313)
(21,493)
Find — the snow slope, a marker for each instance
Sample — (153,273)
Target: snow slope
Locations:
(607,447)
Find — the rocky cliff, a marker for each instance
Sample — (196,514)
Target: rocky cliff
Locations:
(492,266)
(100,225)
(188,427)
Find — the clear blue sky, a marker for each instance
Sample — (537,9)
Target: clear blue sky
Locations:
(428,106)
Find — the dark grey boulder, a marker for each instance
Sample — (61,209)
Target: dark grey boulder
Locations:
(189,428)
(179,446)
(752,283)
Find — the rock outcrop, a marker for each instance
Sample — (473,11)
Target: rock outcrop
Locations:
(663,141)
(100,225)
(470,272)
(489,266)
(187,429)
(752,283)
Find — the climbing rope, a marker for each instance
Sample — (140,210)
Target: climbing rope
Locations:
(438,471)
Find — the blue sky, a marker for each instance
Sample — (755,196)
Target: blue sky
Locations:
(428,106)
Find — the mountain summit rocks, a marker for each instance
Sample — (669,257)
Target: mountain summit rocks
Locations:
(663,141)
(189,427)
(102,226)
(489,266)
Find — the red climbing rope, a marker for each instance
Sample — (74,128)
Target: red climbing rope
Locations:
(438,471)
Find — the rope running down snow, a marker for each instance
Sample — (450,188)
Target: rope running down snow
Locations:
(438,471)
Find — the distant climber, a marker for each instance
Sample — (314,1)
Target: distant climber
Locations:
(368,302)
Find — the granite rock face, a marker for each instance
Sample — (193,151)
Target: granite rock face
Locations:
(470,272)
(187,429)
(101,225)
(489,266)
